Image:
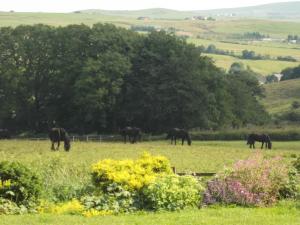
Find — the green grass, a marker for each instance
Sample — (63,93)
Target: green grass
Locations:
(263,67)
(286,214)
(264,48)
(202,156)
(280,96)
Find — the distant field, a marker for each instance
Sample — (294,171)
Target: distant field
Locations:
(215,29)
(274,49)
(263,67)
(279,96)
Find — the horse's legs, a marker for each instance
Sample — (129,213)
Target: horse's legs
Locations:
(175,139)
(58,144)
(182,140)
(52,145)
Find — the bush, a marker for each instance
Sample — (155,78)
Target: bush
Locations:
(9,207)
(129,174)
(296,164)
(254,181)
(19,184)
(172,192)
(115,200)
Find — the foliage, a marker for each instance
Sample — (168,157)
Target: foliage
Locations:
(9,207)
(115,199)
(172,192)
(291,73)
(96,72)
(70,207)
(254,181)
(130,174)
(93,212)
(18,183)
(296,164)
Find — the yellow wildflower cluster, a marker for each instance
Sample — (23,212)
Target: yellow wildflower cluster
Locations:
(70,207)
(131,174)
(94,212)
(5,183)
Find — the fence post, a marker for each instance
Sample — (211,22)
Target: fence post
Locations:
(100,138)
(73,138)
(87,138)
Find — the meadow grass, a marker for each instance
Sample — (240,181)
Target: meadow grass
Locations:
(202,156)
(263,48)
(280,96)
(282,214)
(263,67)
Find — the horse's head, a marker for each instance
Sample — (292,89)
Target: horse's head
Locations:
(269,145)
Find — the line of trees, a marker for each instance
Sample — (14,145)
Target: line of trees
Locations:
(100,78)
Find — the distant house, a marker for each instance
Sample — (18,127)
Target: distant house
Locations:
(143,18)
(278,76)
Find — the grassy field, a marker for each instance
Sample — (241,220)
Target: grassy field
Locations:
(263,67)
(202,156)
(215,31)
(280,96)
(286,214)
(58,168)
(219,28)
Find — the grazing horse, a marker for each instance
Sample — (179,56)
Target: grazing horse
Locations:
(134,134)
(4,134)
(179,133)
(263,138)
(59,134)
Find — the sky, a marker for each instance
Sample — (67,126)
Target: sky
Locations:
(73,5)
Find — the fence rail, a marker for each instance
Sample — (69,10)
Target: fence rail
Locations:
(91,138)
(195,174)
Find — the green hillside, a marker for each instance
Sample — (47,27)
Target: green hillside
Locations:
(279,96)
(263,67)
(284,10)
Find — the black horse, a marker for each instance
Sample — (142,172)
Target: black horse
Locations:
(179,133)
(59,134)
(4,134)
(134,134)
(263,138)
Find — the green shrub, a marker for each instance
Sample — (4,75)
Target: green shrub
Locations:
(130,174)
(19,184)
(254,181)
(296,164)
(9,207)
(172,192)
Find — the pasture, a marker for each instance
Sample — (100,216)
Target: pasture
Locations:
(61,169)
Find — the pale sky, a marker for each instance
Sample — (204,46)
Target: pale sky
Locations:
(72,5)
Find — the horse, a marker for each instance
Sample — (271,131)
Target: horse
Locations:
(59,134)
(263,138)
(4,134)
(179,133)
(134,134)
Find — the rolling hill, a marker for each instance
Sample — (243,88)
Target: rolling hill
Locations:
(280,96)
(284,10)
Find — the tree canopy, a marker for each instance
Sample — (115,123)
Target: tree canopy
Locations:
(100,78)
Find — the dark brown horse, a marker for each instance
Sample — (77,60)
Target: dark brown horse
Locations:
(179,133)
(4,134)
(263,138)
(134,134)
(57,135)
